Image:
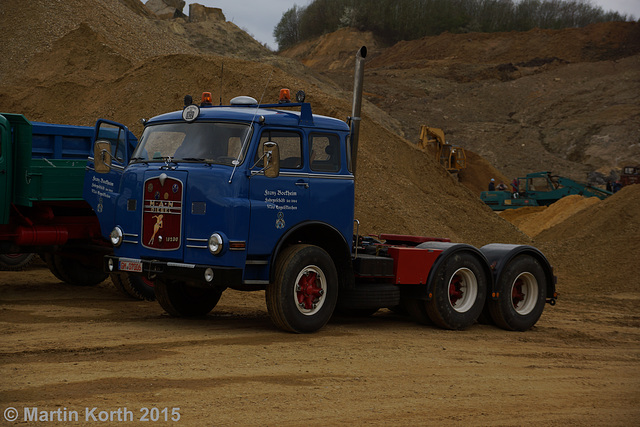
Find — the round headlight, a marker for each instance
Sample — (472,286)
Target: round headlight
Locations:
(215,243)
(116,236)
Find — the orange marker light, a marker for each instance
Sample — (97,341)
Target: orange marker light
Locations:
(285,96)
(206,99)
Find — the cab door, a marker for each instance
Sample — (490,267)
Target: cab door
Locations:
(332,186)
(113,146)
(277,204)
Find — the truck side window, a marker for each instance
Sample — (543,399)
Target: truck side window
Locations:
(290,145)
(115,135)
(324,152)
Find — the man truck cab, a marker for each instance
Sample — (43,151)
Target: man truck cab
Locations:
(212,194)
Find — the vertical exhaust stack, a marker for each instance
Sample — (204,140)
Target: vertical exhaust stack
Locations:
(357,104)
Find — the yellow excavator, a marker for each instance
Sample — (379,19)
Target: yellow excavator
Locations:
(452,157)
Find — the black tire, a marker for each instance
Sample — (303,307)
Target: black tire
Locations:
(137,287)
(304,291)
(181,300)
(48,259)
(14,262)
(459,290)
(417,310)
(523,291)
(72,270)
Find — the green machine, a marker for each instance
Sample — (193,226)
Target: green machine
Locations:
(539,189)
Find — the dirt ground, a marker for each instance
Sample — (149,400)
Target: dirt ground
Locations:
(75,348)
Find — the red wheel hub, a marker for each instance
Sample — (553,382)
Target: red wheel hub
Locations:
(307,291)
(517,296)
(455,293)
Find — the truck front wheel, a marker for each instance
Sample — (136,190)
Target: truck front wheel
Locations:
(523,290)
(304,291)
(181,300)
(138,287)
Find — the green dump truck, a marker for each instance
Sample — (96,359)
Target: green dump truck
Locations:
(42,170)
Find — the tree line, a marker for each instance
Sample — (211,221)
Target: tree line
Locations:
(395,20)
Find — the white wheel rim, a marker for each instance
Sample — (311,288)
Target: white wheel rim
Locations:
(310,289)
(524,293)
(463,290)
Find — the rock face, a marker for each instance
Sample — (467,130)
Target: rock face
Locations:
(166,9)
(200,13)
(170,9)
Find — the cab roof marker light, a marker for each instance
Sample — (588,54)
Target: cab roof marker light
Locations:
(207,100)
(285,96)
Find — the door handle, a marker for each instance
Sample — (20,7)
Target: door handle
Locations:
(302,184)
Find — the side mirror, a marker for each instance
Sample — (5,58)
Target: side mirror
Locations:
(102,156)
(271,154)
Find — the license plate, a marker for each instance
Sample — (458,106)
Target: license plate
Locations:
(134,266)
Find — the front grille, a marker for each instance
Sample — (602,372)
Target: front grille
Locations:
(162,214)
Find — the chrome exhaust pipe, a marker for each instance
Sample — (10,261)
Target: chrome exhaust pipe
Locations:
(357,105)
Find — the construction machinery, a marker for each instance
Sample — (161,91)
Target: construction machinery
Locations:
(539,189)
(452,157)
(630,175)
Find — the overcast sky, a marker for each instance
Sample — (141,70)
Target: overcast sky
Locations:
(259,17)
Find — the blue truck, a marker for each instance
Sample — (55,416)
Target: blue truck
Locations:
(253,196)
(42,210)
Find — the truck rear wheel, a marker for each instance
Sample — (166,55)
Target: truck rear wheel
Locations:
(459,289)
(523,289)
(304,291)
(12,262)
(138,287)
(70,269)
(181,300)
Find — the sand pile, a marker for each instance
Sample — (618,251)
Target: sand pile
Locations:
(598,248)
(535,219)
(31,28)
(478,173)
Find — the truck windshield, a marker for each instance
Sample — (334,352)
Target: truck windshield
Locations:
(219,143)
